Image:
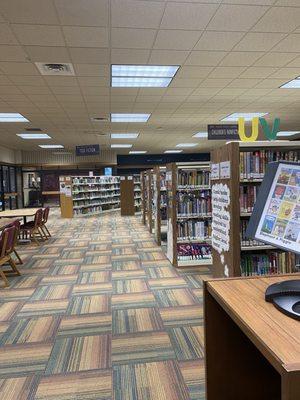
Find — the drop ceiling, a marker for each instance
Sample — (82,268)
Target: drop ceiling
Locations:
(233,56)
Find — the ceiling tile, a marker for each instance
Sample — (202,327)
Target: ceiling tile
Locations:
(279,19)
(239,58)
(287,73)
(218,40)
(79,36)
(18,68)
(6,35)
(27,89)
(244,83)
(290,44)
(132,38)
(171,57)
(61,80)
(27,80)
(226,72)
(93,81)
(47,54)
(176,39)
(12,53)
(275,59)
(215,83)
(39,35)
(136,14)
(185,82)
(4,81)
(83,12)
(91,70)
(187,16)
(75,90)
(255,41)
(236,17)
(89,55)
(129,56)
(258,72)
(29,12)
(193,72)
(205,58)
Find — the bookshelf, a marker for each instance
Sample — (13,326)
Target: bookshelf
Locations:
(89,195)
(189,214)
(247,163)
(137,192)
(159,207)
(149,199)
(127,195)
(143,196)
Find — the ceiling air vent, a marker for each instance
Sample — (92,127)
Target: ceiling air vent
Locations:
(99,119)
(33,129)
(65,69)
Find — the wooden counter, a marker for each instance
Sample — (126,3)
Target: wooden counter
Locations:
(252,349)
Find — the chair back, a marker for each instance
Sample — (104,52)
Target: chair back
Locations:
(46,214)
(38,218)
(7,240)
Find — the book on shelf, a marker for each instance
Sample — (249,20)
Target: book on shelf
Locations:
(194,204)
(194,177)
(193,251)
(248,195)
(273,262)
(253,163)
(194,230)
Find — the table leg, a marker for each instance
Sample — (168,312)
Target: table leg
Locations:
(291,386)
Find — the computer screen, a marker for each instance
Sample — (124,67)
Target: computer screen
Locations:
(108,171)
(276,216)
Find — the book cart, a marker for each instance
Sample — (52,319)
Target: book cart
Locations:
(237,172)
(159,206)
(89,195)
(189,214)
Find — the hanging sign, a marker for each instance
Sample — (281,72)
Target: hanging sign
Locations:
(88,150)
(223,132)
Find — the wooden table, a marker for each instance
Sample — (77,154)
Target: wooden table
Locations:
(19,213)
(252,349)
(7,221)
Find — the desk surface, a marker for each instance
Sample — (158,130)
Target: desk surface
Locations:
(21,212)
(276,335)
(7,221)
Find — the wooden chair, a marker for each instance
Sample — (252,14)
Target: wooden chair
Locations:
(17,233)
(33,228)
(7,242)
(45,220)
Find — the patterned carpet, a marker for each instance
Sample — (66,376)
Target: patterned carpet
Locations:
(100,314)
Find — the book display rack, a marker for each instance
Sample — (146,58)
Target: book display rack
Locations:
(189,214)
(239,170)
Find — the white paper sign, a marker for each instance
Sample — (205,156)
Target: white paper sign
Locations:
(91,173)
(225,170)
(220,217)
(215,171)
(68,191)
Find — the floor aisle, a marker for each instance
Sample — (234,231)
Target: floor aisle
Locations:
(100,314)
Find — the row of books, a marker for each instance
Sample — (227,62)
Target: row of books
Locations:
(274,262)
(253,163)
(194,230)
(193,178)
(248,196)
(95,180)
(246,242)
(193,251)
(192,204)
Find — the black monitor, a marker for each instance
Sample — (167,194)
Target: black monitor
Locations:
(276,216)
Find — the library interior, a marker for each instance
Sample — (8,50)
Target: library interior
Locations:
(149,199)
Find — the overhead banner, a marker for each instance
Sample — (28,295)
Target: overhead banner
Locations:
(88,150)
(223,132)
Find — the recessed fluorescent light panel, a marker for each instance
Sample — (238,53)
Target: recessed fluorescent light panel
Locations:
(173,151)
(247,116)
(33,135)
(124,135)
(202,135)
(142,75)
(129,117)
(287,133)
(293,84)
(51,146)
(186,144)
(138,152)
(12,117)
(121,146)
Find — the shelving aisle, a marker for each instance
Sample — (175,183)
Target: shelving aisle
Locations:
(103,285)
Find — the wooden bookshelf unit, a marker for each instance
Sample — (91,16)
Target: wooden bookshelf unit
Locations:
(252,350)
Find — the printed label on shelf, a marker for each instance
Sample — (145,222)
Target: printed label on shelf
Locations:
(225,171)
(220,217)
(215,171)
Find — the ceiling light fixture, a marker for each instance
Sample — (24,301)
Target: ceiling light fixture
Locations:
(115,117)
(287,133)
(51,146)
(247,116)
(121,146)
(173,151)
(142,75)
(186,144)
(202,135)
(293,84)
(124,135)
(138,152)
(33,135)
(12,117)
